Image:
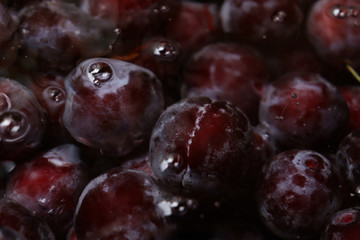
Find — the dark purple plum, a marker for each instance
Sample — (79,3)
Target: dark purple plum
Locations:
(343,225)
(227,71)
(22,121)
(299,193)
(112,105)
(56,35)
(49,185)
(201,146)
(303,110)
(23,221)
(120,205)
(333,29)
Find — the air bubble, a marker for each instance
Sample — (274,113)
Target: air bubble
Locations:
(99,73)
(117,31)
(161,9)
(175,163)
(177,206)
(343,11)
(279,16)
(56,94)
(13,126)
(164,49)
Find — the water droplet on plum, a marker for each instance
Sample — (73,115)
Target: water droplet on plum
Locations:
(56,94)
(338,11)
(164,49)
(100,72)
(117,31)
(279,16)
(13,126)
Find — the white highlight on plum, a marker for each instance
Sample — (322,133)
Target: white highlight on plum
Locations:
(200,115)
(167,162)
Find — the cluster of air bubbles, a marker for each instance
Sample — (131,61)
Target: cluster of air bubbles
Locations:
(13,126)
(164,49)
(177,206)
(344,11)
(161,9)
(279,16)
(99,73)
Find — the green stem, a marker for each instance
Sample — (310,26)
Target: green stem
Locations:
(352,71)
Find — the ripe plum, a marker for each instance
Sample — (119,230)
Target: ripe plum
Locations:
(111,104)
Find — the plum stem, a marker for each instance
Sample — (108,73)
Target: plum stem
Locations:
(352,71)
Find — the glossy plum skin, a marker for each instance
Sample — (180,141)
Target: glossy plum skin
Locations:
(119,205)
(333,29)
(7,233)
(49,185)
(263,23)
(343,225)
(227,71)
(9,41)
(134,19)
(352,96)
(200,146)
(299,192)
(348,161)
(22,120)
(111,105)
(20,219)
(303,110)
(199,24)
(55,35)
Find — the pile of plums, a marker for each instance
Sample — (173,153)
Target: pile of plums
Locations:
(179,119)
